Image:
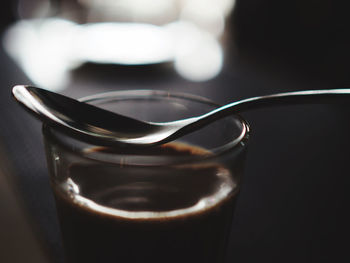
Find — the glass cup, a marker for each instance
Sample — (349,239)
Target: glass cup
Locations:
(170,203)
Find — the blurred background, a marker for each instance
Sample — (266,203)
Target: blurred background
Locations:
(294,200)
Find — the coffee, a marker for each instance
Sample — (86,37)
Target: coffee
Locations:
(128,213)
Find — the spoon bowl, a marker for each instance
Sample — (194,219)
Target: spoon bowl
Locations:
(97,125)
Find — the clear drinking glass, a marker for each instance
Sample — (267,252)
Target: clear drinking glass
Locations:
(170,203)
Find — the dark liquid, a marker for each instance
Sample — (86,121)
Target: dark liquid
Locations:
(146,214)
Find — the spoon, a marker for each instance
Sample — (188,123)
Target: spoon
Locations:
(97,125)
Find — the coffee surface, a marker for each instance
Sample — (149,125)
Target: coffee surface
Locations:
(119,189)
(128,213)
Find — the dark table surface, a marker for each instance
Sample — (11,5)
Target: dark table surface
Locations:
(294,200)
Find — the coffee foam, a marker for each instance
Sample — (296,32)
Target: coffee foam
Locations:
(226,188)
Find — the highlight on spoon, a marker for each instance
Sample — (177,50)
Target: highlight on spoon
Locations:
(76,118)
(23,95)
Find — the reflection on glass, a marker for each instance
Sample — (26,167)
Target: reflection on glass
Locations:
(125,32)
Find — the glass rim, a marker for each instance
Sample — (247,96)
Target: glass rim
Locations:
(136,159)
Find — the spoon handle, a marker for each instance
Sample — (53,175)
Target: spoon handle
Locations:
(287,98)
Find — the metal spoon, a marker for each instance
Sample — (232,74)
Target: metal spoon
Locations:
(96,125)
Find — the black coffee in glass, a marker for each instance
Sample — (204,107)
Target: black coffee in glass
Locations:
(169,203)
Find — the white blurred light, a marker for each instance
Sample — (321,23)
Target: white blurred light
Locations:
(198,54)
(152,11)
(225,6)
(42,51)
(206,15)
(123,43)
(204,63)
(48,49)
